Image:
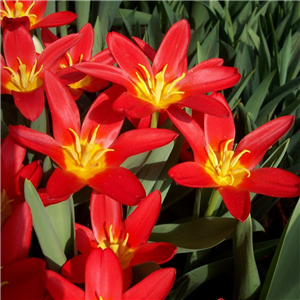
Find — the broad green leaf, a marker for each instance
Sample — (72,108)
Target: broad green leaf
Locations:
(285,264)
(201,13)
(246,277)
(42,225)
(260,12)
(199,234)
(63,222)
(126,29)
(210,44)
(82,9)
(255,38)
(63,6)
(99,40)
(142,17)
(47,170)
(228,25)
(294,65)
(264,54)
(255,102)
(107,12)
(289,110)
(285,56)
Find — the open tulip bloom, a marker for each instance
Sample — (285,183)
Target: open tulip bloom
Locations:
(90,154)
(104,281)
(22,71)
(167,82)
(30,14)
(127,239)
(80,52)
(13,174)
(231,172)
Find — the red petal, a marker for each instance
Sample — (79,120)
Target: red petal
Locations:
(119,184)
(237,201)
(104,57)
(217,129)
(48,37)
(137,141)
(213,62)
(85,239)
(159,252)
(74,269)
(127,54)
(64,111)
(85,46)
(38,8)
(12,156)
(191,130)
(155,286)
(26,280)
(272,182)
(60,288)
(30,104)
(147,49)
(17,42)
(133,106)
(106,212)
(103,275)
(106,72)
(140,223)
(261,139)
(192,174)
(37,141)
(72,184)
(55,20)
(17,244)
(211,79)
(52,55)
(179,37)
(101,112)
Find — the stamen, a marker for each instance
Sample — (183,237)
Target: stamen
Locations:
(212,157)
(18,9)
(92,141)
(111,237)
(115,248)
(4,282)
(147,75)
(29,8)
(69,59)
(126,240)
(235,160)
(226,162)
(87,154)
(143,82)
(77,141)
(101,152)
(80,58)
(73,153)
(23,74)
(9,14)
(173,84)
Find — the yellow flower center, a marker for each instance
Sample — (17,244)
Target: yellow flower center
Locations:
(6,208)
(155,90)
(119,246)
(85,156)
(225,169)
(18,12)
(24,81)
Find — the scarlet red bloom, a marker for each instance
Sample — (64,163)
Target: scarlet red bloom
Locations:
(13,174)
(91,154)
(230,171)
(30,14)
(22,71)
(81,52)
(27,282)
(167,82)
(127,239)
(104,280)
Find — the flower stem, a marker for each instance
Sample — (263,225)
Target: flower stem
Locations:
(212,204)
(154,119)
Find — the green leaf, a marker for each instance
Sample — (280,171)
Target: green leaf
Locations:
(246,278)
(51,8)
(210,45)
(127,26)
(42,225)
(99,41)
(285,264)
(285,56)
(142,17)
(199,234)
(63,6)
(170,13)
(255,102)
(107,12)
(82,9)
(154,30)
(63,222)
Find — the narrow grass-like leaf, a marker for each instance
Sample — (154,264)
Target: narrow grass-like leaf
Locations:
(154,30)
(255,102)
(99,40)
(211,43)
(199,234)
(127,26)
(142,17)
(284,264)
(246,277)
(285,56)
(170,13)
(42,225)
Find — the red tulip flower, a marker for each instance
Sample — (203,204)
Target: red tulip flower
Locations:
(104,281)
(81,52)
(13,175)
(167,82)
(30,14)
(22,71)
(230,171)
(21,277)
(128,239)
(91,154)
